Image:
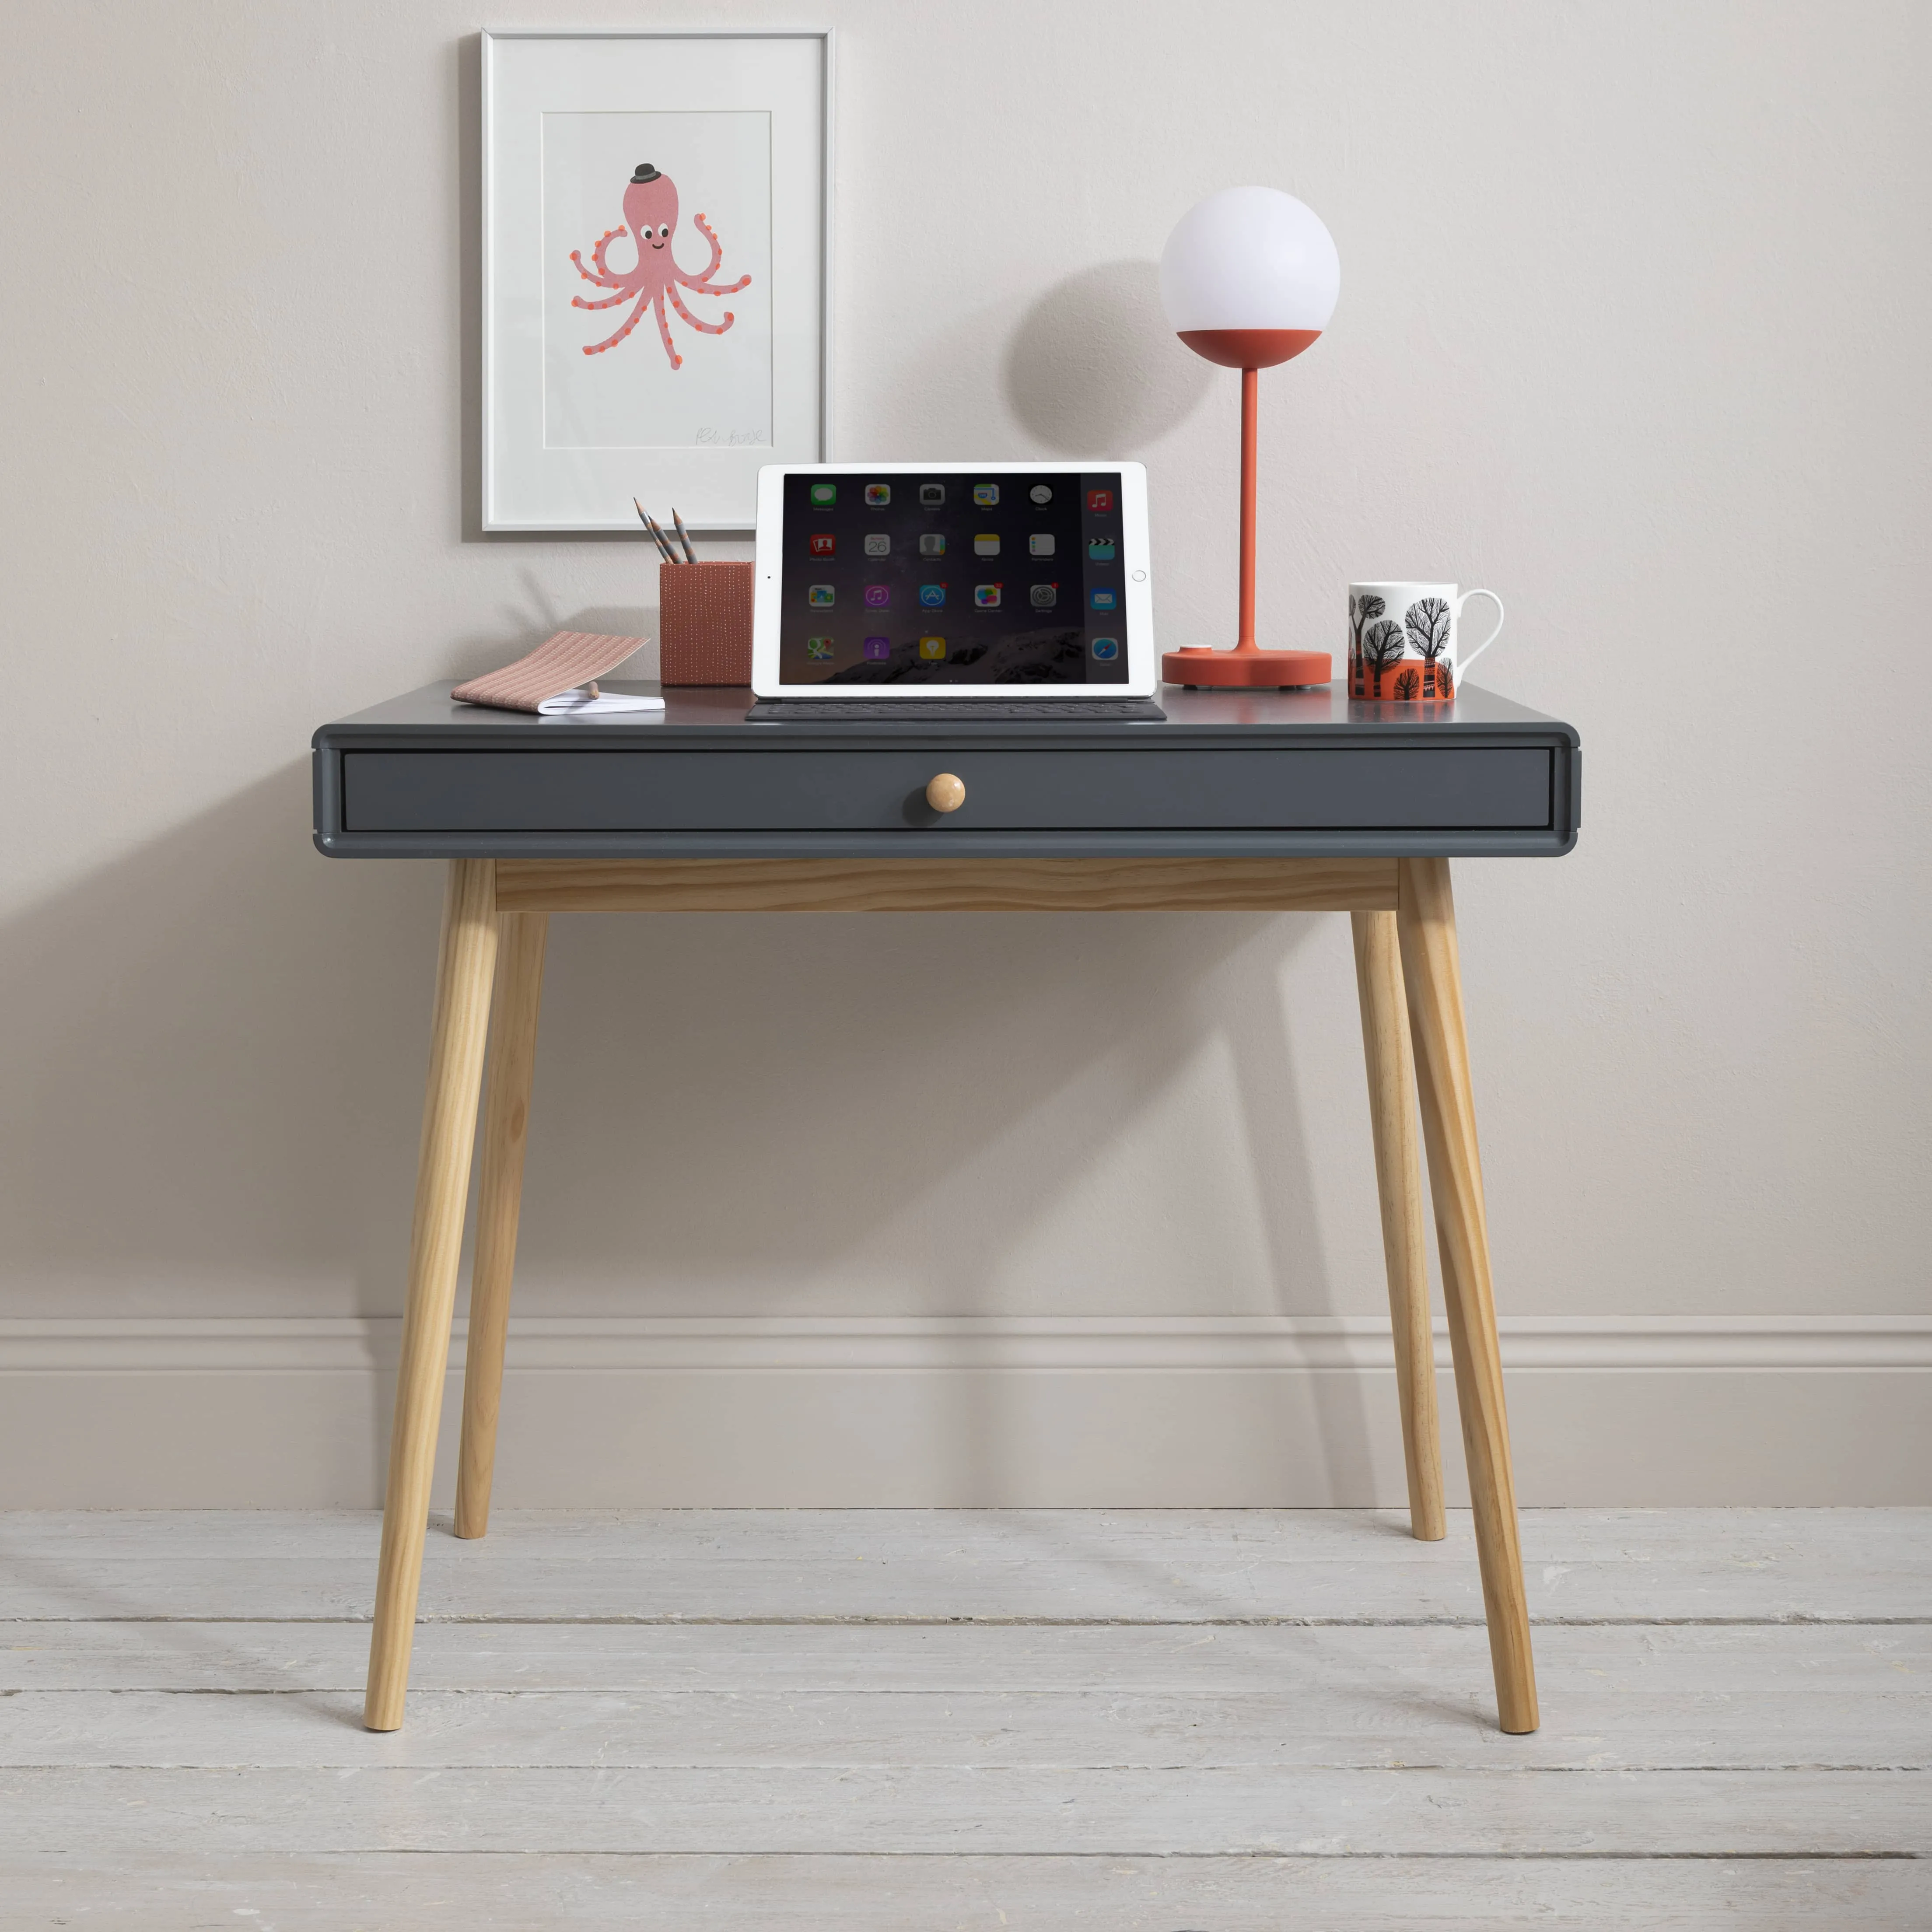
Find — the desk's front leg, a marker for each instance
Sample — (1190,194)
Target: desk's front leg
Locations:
(465,966)
(1426,920)
(499,1194)
(1385,1047)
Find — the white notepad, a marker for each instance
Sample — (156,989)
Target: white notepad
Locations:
(605,704)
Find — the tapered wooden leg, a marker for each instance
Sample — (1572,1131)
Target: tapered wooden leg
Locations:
(1399,1181)
(500,1193)
(1425,919)
(465,964)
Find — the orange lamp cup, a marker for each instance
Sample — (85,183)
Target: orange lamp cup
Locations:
(1248,278)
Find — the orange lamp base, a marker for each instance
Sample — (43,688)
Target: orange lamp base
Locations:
(1245,670)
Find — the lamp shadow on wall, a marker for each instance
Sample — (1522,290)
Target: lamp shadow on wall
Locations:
(1093,368)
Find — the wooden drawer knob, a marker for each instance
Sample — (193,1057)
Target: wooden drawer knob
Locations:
(945,793)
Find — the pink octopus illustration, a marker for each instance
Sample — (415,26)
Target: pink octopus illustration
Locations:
(650,210)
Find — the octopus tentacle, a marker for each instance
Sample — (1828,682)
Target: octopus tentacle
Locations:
(609,301)
(717,252)
(602,278)
(703,288)
(664,328)
(709,328)
(597,254)
(611,342)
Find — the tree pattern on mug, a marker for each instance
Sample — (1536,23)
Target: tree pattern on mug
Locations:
(1362,610)
(1381,650)
(1427,621)
(1378,644)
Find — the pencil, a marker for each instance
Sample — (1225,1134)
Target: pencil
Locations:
(646,522)
(670,548)
(683,536)
(657,536)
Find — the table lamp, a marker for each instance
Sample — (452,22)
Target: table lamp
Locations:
(1248,278)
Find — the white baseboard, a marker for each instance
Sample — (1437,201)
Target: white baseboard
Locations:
(603,1412)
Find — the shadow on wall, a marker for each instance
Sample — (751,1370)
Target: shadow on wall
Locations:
(466,74)
(209,1104)
(1093,368)
(539,616)
(930,1114)
(213,1107)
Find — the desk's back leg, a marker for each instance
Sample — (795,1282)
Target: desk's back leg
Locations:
(464,967)
(1426,918)
(500,1193)
(1399,1181)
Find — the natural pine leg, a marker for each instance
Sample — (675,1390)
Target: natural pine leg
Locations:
(1426,917)
(464,965)
(1399,1180)
(506,1113)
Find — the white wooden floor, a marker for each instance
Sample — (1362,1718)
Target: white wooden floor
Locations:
(1233,1720)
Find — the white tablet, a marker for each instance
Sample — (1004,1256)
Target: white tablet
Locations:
(917,580)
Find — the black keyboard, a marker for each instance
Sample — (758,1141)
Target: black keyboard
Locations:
(848,711)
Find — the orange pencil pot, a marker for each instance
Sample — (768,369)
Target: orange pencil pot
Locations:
(704,623)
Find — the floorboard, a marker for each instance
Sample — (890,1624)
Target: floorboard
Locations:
(1071,1807)
(1657,1566)
(1010,1696)
(460,1893)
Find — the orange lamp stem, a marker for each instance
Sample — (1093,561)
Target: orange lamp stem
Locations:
(1247,666)
(1251,409)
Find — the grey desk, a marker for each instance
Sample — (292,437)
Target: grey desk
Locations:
(1295,801)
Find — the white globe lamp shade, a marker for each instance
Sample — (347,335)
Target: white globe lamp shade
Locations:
(1249,277)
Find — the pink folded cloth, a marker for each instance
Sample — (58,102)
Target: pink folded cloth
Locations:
(558,664)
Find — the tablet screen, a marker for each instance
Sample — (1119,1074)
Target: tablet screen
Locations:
(958,578)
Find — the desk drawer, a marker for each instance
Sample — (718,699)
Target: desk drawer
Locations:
(1501,787)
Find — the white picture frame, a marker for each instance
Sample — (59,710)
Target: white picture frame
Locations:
(608,373)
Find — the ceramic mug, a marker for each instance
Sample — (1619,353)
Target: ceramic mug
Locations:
(1403,641)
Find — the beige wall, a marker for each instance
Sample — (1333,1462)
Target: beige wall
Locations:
(1632,327)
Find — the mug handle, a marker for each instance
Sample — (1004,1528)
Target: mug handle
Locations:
(1464,659)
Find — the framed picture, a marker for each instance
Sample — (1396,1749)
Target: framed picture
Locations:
(656,297)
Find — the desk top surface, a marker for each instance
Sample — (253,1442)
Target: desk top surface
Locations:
(706,716)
